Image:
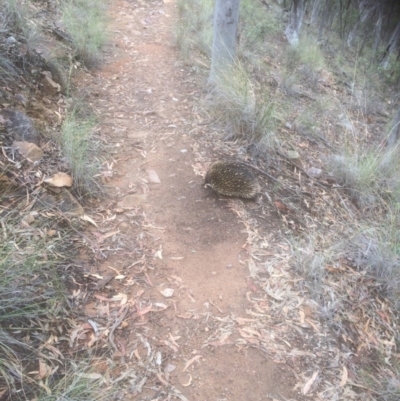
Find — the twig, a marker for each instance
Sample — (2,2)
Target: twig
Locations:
(116,324)
(322,185)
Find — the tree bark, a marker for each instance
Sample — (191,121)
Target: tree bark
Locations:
(296,18)
(223,51)
(315,11)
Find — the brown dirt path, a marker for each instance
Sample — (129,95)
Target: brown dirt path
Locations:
(174,234)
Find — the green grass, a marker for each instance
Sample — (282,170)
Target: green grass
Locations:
(245,114)
(24,266)
(74,385)
(305,60)
(256,26)
(34,311)
(30,290)
(85,21)
(8,71)
(80,151)
(17,16)
(194,31)
(375,249)
(369,174)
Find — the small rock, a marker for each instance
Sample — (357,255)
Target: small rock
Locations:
(19,125)
(153,177)
(314,172)
(64,201)
(167,292)
(124,226)
(11,40)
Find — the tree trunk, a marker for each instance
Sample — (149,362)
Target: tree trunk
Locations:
(296,18)
(226,16)
(365,14)
(327,17)
(315,11)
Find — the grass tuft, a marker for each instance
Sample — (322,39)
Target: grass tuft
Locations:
(306,58)
(80,151)
(255,25)
(370,175)
(16,15)
(194,31)
(236,105)
(86,24)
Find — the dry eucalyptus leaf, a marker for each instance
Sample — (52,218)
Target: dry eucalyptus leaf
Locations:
(123,298)
(91,376)
(88,219)
(60,180)
(310,383)
(189,382)
(344,378)
(29,150)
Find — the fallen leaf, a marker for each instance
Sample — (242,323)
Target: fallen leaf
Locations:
(310,383)
(344,378)
(281,206)
(29,150)
(123,298)
(60,180)
(194,359)
(88,219)
(189,382)
(91,376)
(158,254)
(44,369)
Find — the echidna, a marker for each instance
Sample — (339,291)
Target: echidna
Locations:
(232,179)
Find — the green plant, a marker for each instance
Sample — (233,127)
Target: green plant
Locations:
(80,151)
(17,16)
(7,69)
(194,29)
(255,25)
(306,58)
(236,105)
(78,383)
(30,289)
(370,175)
(85,22)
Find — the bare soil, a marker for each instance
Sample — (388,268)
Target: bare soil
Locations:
(176,234)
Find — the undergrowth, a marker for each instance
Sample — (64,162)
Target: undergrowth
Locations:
(80,151)
(85,22)
(246,114)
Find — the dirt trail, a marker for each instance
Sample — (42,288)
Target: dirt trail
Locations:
(195,241)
